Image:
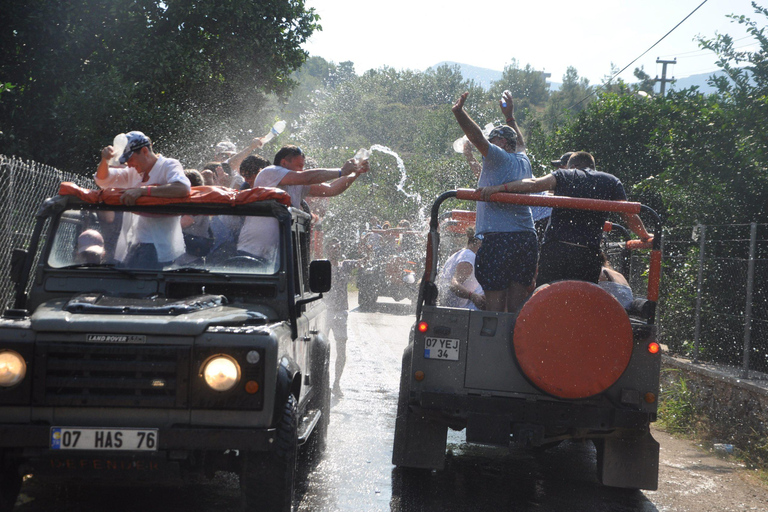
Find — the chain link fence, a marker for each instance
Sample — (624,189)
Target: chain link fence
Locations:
(714,296)
(23,187)
(714,305)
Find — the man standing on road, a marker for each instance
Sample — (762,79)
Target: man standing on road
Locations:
(145,242)
(506,262)
(571,247)
(338,306)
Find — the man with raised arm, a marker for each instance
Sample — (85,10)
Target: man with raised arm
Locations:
(506,262)
(260,236)
(571,248)
(145,242)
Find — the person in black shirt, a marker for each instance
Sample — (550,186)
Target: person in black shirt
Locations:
(571,248)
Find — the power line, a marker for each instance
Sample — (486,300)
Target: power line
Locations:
(704,50)
(638,57)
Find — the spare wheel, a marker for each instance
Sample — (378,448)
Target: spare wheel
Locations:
(572,339)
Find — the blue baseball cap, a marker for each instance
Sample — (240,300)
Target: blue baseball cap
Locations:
(136,141)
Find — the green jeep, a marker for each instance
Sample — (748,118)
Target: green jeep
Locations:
(114,373)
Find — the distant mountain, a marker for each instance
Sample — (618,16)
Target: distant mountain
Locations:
(699,81)
(484,77)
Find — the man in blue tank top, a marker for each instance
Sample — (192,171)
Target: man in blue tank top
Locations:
(506,262)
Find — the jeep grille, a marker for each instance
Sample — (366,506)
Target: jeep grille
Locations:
(80,375)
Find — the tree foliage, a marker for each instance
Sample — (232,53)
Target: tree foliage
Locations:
(86,70)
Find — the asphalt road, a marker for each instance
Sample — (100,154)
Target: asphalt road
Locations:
(355,473)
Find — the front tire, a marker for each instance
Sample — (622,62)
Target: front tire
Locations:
(10,484)
(267,479)
(322,401)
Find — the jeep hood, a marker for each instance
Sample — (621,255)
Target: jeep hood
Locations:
(157,315)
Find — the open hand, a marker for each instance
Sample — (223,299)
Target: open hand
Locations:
(459,105)
(509,110)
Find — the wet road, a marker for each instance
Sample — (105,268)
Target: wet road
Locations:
(355,473)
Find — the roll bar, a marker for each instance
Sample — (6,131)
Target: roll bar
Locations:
(428,288)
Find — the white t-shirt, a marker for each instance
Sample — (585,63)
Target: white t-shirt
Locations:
(447,297)
(260,236)
(164,232)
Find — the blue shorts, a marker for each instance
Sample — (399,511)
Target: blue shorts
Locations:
(506,258)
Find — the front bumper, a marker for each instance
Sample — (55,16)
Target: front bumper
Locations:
(175,438)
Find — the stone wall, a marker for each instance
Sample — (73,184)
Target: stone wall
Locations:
(729,408)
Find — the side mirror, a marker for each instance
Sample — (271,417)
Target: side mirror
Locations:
(320,276)
(18,258)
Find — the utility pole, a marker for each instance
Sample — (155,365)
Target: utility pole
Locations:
(664,78)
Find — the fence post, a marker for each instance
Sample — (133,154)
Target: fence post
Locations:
(748,307)
(702,229)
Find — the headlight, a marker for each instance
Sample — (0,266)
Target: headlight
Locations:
(221,372)
(12,368)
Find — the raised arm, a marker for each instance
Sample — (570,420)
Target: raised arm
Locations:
(509,114)
(236,160)
(102,172)
(470,128)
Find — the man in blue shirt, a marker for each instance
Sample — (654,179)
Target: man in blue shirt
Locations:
(506,262)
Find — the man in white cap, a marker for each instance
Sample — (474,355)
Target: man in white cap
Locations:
(145,242)
(90,247)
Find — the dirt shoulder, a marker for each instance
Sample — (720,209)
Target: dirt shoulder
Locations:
(694,479)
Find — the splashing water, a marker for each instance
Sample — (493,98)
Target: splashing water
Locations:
(401,184)
(401,166)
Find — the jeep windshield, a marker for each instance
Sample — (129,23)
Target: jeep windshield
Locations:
(193,239)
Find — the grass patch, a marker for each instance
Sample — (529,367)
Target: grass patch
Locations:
(677,413)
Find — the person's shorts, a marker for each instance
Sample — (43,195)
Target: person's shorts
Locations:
(560,260)
(337,322)
(506,258)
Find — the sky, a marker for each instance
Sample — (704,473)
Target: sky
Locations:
(550,35)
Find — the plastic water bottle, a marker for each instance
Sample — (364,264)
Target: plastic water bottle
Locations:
(362,155)
(119,143)
(458,144)
(276,130)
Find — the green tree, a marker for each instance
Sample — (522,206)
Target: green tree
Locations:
(572,97)
(186,70)
(646,83)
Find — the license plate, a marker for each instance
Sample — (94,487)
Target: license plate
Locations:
(441,348)
(121,439)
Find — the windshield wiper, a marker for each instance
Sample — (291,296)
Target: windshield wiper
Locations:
(183,270)
(110,266)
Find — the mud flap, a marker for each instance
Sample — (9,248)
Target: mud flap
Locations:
(630,462)
(419,443)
